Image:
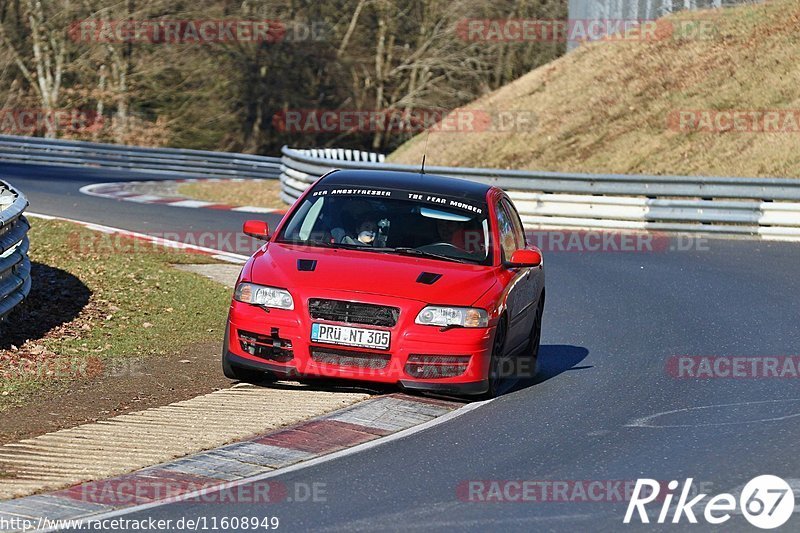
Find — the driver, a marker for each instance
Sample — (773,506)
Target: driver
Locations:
(453,232)
(365,234)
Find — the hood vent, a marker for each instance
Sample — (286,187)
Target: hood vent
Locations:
(306,265)
(428,278)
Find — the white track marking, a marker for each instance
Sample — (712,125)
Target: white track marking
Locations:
(254,209)
(120,191)
(189,203)
(646,421)
(142,198)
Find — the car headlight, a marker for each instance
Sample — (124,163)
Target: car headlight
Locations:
(253,294)
(465,317)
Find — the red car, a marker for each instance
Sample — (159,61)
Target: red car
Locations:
(422,281)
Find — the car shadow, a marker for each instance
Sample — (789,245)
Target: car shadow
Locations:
(554,359)
(56,298)
(329,385)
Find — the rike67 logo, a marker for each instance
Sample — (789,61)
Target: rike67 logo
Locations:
(767,502)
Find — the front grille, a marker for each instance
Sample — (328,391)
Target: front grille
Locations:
(350,358)
(353,312)
(271,347)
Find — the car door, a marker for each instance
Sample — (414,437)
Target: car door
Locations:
(519,298)
(534,278)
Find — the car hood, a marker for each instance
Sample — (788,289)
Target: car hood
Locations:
(290,266)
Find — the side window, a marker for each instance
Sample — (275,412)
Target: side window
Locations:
(508,241)
(519,231)
(311,219)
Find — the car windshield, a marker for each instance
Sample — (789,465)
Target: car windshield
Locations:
(386,221)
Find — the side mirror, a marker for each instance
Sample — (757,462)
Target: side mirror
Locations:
(258,229)
(525,259)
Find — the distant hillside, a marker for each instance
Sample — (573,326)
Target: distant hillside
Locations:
(613,106)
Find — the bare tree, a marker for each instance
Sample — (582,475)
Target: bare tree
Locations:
(42,64)
(378,55)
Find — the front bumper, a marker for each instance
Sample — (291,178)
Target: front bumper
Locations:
(290,333)
(284,372)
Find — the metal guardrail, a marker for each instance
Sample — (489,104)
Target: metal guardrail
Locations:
(162,161)
(769,207)
(300,168)
(15,267)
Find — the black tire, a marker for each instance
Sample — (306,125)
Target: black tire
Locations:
(495,376)
(535,340)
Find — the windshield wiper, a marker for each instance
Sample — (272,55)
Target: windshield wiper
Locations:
(422,253)
(402,250)
(298,242)
(340,245)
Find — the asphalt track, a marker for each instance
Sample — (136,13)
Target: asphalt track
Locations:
(604,407)
(55,191)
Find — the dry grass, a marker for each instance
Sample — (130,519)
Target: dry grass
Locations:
(99,301)
(604,108)
(258,193)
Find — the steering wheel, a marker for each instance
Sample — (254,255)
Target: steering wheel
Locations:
(449,244)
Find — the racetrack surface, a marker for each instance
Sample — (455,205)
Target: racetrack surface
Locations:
(601,410)
(612,320)
(55,191)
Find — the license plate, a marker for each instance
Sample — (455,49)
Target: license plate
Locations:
(347,336)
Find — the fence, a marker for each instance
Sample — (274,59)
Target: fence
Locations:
(15,267)
(162,161)
(767,207)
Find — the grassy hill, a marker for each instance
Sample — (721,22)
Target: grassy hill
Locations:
(607,107)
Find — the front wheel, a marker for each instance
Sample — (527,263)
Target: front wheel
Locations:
(245,375)
(495,373)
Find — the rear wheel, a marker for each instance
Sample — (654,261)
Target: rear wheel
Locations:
(535,340)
